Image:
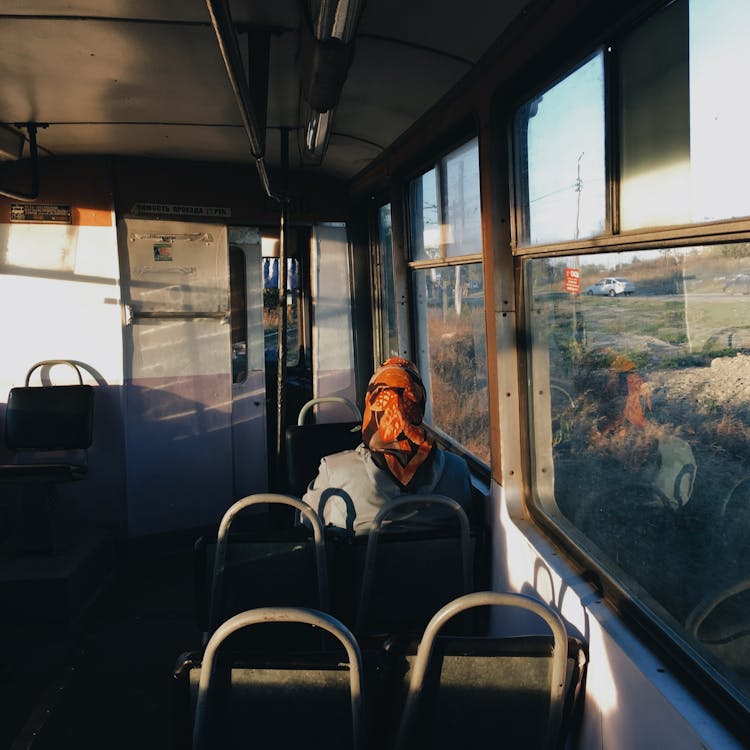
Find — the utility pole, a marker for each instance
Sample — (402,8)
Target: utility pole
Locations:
(578,187)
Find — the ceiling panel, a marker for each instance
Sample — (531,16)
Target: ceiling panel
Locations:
(202,143)
(98,71)
(174,10)
(465,28)
(146,76)
(382,100)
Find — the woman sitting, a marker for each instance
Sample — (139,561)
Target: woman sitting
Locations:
(396,457)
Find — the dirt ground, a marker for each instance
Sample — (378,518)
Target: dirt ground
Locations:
(724,385)
(710,408)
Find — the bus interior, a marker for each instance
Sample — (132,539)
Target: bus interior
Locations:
(219,217)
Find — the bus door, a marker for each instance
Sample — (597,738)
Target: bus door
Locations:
(180,451)
(248,362)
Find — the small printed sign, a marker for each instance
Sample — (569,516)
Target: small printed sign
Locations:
(40,213)
(173,209)
(573,280)
(163,251)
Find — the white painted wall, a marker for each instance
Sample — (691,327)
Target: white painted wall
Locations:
(632,701)
(60,299)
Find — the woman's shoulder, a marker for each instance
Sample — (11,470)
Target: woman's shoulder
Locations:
(454,479)
(453,463)
(344,460)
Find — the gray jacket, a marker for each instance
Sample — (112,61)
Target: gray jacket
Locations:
(350,489)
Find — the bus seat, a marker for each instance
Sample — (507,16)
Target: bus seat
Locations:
(404,577)
(460,690)
(307,444)
(49,430)
(281,567)
(280,700)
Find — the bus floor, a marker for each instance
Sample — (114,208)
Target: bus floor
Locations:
(106,680)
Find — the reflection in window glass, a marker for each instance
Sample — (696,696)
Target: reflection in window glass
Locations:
(385,245)
(641,429)
(462,211)
(271,309)
(683,124)
(445,207)
(452,355)
(719,108)
(560,159)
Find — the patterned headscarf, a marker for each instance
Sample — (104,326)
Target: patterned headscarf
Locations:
(394,407)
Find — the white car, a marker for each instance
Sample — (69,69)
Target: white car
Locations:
(738,284)
(612,286)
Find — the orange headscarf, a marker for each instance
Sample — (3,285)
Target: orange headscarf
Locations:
(394,407)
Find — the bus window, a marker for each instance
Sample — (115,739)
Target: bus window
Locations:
(446,271)
(684,155)
(559,165)
(643,444)
(639,360)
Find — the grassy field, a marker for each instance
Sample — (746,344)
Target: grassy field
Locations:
(658,330)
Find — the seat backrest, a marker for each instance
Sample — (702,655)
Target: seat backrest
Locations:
(280,700)
(521,688)
(270,569)
(49,428)
(307,444)
(404,578)
(50,417)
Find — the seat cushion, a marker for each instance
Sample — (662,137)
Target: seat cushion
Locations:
(41,473)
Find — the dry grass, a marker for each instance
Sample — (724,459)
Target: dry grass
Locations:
(458,377)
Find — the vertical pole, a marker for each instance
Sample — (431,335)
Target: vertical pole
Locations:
(281,365)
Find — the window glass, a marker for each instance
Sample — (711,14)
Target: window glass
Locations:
(238,313)
(445,207)
(425,225)
(560,159)
(684,156)
(452,355)
(641,430)
(271,312)
(388,301)
(463,234)
(332,317)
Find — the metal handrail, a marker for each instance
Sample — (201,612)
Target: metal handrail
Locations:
(327,400)
(50,363)
(221,21)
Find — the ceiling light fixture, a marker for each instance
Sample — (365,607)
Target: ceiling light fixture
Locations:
(327,51)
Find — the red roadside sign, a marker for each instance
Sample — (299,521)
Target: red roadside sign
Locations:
(573,280)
